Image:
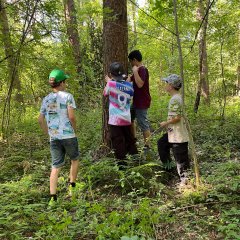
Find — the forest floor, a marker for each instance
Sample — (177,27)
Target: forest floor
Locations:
(140,202)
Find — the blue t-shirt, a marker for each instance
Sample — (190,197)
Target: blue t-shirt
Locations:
(55,109)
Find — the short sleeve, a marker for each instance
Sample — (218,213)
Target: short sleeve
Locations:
(70,101)
(142,73)
(43,107)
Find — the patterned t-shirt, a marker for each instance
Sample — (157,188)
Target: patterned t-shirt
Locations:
(120,94)
(177,132)
(55,109)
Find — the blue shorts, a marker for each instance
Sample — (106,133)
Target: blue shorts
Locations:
(59,148)
(141,116)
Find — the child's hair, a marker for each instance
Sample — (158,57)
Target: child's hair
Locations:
(136,54)
(178,88)
(54,84)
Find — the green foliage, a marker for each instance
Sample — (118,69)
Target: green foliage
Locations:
(137,203)
(140,202)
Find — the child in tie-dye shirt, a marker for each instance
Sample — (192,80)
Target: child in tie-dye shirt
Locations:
(120,94)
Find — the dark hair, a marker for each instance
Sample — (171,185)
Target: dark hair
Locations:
(116,69)
(54,84)
(135,54)
(177,88)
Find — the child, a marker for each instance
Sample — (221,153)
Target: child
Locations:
(141,98)
(120,93)
(57,119)
(177,135)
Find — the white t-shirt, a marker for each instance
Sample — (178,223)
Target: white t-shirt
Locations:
(177,132)
(55,109)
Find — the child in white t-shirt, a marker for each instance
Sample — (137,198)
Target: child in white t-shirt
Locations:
(177,135)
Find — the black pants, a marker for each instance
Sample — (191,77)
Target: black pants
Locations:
(180,153)
(122,141)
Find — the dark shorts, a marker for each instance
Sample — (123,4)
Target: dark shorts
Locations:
(141,116)
(59,148)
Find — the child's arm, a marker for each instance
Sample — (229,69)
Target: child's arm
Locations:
(42,123)
(174,120)
(138,79)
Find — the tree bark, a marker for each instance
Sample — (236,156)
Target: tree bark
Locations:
(203,84)
(72,32)
(238,68)
(9,52)
(115,47)
(134,25)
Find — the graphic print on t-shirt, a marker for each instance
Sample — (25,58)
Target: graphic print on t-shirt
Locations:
(54,107)
(120,94)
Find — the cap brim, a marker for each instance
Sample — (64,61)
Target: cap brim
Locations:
(165,79)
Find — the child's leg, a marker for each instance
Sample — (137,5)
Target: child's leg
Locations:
(54,180)
(73,171)
(130,142)
(180,153)
(164,149)
(118,141)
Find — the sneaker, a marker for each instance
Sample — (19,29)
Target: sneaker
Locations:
(72,192)
(52,202)
(184,181)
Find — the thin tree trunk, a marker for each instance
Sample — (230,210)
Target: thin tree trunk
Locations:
(134,25)
(203,84)
(115,47)
(9,51)
(72,32)
(191,142)
(224,87)
(238,68)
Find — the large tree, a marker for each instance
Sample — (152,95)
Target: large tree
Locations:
(203,84)
(72,32)
(115,46)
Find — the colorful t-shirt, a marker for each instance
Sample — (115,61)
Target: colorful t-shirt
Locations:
(177,132)
(142,97)
(55,109)
(120,94)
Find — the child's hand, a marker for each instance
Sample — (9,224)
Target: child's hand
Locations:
(163,124)
(135,69)
(107,78)
(129,78)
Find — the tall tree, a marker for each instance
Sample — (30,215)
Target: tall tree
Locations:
(72,32)
(203,84)
(115,46)
(9,51)
(13,63)
(191,142)
(238,67)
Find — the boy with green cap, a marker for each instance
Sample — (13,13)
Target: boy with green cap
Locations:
(57,119)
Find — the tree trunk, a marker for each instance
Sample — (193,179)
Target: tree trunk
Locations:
(72,32)
(115,47)
(13,75)
(238,68)
(134,25)
(191,142)
(203,84)
(9,52)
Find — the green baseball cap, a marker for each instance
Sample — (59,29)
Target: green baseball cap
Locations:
(59,75)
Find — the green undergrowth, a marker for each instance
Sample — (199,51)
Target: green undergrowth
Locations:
(140,202)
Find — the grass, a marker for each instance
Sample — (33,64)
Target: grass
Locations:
(139,203)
